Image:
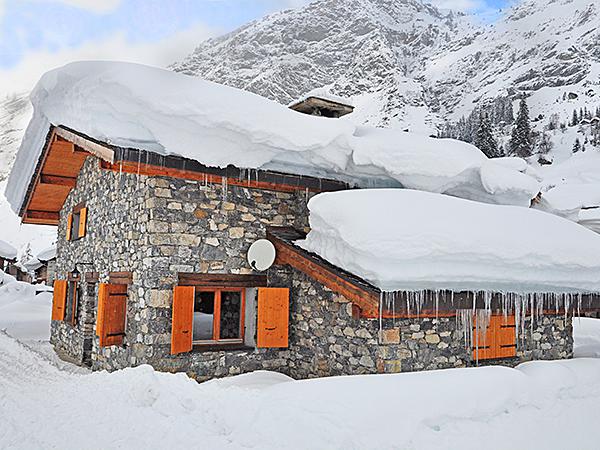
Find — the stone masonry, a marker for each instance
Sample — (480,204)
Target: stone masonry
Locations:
(156,227)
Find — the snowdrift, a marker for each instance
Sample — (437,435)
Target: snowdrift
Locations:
(403,239)
(131,105)
(23,311)
(495,407)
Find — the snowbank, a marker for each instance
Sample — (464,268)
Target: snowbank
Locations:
(493,407)
(7,251)
(24,314)
(586,337)
(402,239)
(131,105)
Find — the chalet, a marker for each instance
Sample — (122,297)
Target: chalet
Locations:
(8,257)
(153,235)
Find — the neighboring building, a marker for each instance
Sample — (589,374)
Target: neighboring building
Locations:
(46,271)
(151,265)
(8,257)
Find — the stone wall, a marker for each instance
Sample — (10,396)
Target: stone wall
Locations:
(326,340)
(156,227)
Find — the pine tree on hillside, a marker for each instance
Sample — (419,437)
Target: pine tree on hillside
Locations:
(520,143)
(545,144)
(484,138)
(575,118)
(577,145)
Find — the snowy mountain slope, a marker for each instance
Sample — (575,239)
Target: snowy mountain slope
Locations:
(15,112)
(409,64)
(539,44)
(372,50)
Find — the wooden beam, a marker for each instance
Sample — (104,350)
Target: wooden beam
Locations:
(101,151)
(223,280)
(151,170)
(58,180)
(41,217)
(120,277)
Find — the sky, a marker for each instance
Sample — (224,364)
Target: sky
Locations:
(37,35)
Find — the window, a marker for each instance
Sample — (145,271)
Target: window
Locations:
(211,317)
(218,316)
(77,223)
(71,303)
(496,340)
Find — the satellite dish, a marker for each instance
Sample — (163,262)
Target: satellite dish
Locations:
(261,255)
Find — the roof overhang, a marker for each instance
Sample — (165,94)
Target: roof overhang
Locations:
(56,174)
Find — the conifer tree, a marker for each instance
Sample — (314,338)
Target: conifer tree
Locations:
(484,138)
(520,143)
(577,145)
(575,118)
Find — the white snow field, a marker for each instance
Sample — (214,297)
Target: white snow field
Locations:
(153,109)
(413,240)
(46,403)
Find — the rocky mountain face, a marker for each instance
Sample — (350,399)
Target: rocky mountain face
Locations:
(407,64)
(373,50)
(539,44)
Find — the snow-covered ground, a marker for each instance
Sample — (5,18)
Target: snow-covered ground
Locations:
(46,403)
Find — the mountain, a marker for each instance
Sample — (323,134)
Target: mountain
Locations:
(538,45)
(15,112)
(408,64)
(373,50)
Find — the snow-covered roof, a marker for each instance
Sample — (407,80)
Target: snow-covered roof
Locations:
(47,254)
(7,251)
(400,239)
(324,93)
(152,109)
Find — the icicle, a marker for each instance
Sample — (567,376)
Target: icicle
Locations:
(381,295)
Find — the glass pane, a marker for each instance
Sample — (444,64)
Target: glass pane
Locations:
(71,292)
(204,310)
(75,226)
(231,313)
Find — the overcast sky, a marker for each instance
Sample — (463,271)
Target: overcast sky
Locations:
(37,35)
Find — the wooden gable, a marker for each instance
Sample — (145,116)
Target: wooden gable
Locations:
(56,174)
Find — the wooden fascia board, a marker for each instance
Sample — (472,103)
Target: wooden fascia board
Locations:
(368,302)
(101,151)
(37,173)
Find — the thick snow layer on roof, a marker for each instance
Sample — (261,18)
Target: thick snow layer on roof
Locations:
(7,251)
(324,93)
(403,239)
(47,254)
(131,105)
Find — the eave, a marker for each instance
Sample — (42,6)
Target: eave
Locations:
(56,174)
(368,298)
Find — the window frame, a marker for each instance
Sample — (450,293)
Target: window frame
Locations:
(75,222)
(216,341)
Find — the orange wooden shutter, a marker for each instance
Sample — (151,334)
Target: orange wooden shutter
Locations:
(183,319)
(498,340)
(112,311)
(506,338)
(69,225)
(82,222)
(59,299)
(273,317)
